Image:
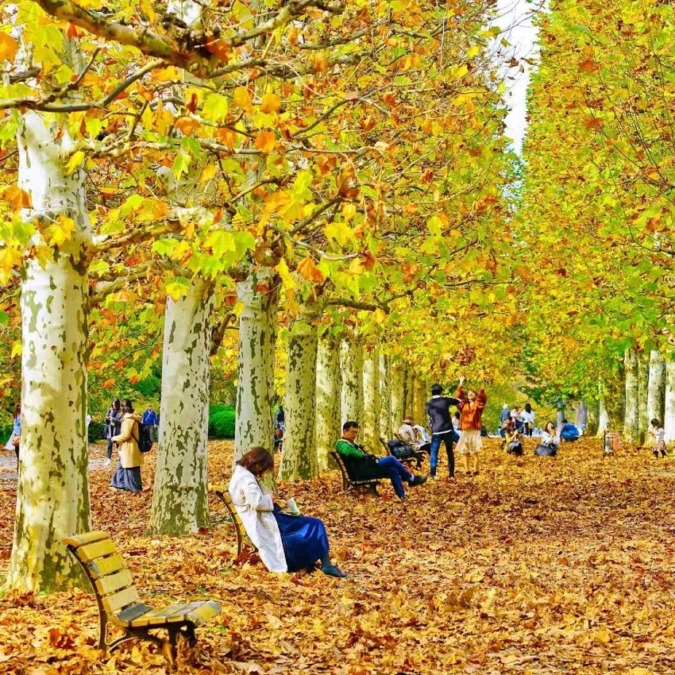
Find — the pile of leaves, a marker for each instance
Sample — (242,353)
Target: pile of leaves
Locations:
(535,566)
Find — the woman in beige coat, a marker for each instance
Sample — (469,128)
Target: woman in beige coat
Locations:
(128,473)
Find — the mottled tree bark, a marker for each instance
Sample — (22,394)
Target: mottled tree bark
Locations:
(656,391)
(299,459)
(643,382)
(669,414)
(327,399)
(371,398)
(180,497)
(631,431)
(255,382)
(384,383)
(396,373)
(53,491)
(351,365)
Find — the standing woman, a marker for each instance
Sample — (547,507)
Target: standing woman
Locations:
(285,543)
(528,419)
(128,473)
(113,420)
(471,406)
(15,438)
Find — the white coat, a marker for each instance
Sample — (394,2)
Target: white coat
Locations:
(255,510)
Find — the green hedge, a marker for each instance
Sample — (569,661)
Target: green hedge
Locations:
(221,421)
(95,431)
(221,425)
(5,433)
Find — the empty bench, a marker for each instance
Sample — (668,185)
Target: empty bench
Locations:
(119,603)
(348,483)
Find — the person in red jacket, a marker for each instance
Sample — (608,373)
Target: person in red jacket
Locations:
(471,406)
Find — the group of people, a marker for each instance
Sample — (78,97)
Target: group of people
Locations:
(461,430)
(522,419)
(288,542)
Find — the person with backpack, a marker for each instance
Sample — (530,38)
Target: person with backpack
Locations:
(127,476)
(442,429)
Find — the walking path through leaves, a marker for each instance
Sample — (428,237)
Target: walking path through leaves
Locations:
(535,566)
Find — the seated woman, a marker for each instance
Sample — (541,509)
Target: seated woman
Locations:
(285,543)
(512,439)
(548,447)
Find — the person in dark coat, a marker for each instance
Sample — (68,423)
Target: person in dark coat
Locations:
(442,429)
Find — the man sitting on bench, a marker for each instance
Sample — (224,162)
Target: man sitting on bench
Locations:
(362,466)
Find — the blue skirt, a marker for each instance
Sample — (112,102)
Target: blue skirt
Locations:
(127,479)
(304,540)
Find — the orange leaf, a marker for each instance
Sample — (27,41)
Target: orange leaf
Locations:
(8,47)
(265,142)
(18,198)
(308,269)
(588,66)
(219,48)
(270,103)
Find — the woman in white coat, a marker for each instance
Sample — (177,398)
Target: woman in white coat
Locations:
(285,543)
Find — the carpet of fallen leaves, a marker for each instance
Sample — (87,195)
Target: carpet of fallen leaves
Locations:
(534,566)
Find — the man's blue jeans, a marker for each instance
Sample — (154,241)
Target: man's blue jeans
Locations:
(396,472)
(449,439)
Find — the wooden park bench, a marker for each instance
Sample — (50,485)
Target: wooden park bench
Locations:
(118,601)
(227,515)
(348,483)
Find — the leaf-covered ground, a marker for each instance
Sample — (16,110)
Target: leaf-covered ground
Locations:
(535,566)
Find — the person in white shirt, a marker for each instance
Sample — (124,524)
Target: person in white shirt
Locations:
(527,417)
(406,432)
(659,438)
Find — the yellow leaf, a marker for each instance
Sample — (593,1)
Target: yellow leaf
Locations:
(348,211)
(208,173)
(76,160)
(339,232)
(17,349)
(60,231)
(285,274)
(270,103)
(459,71)
(243,99)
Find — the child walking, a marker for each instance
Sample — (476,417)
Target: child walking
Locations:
(659,439)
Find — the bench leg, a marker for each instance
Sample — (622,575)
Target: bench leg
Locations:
(133,634)
(373,488)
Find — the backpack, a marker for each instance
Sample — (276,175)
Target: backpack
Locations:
(144,439)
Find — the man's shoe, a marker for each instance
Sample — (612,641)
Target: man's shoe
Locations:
(417,480)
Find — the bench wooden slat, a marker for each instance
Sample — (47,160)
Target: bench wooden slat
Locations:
(105,566)
(128,614)
(116,601)
(206,610)
(86,538)
(98,549)
(114,582)
(171,614)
